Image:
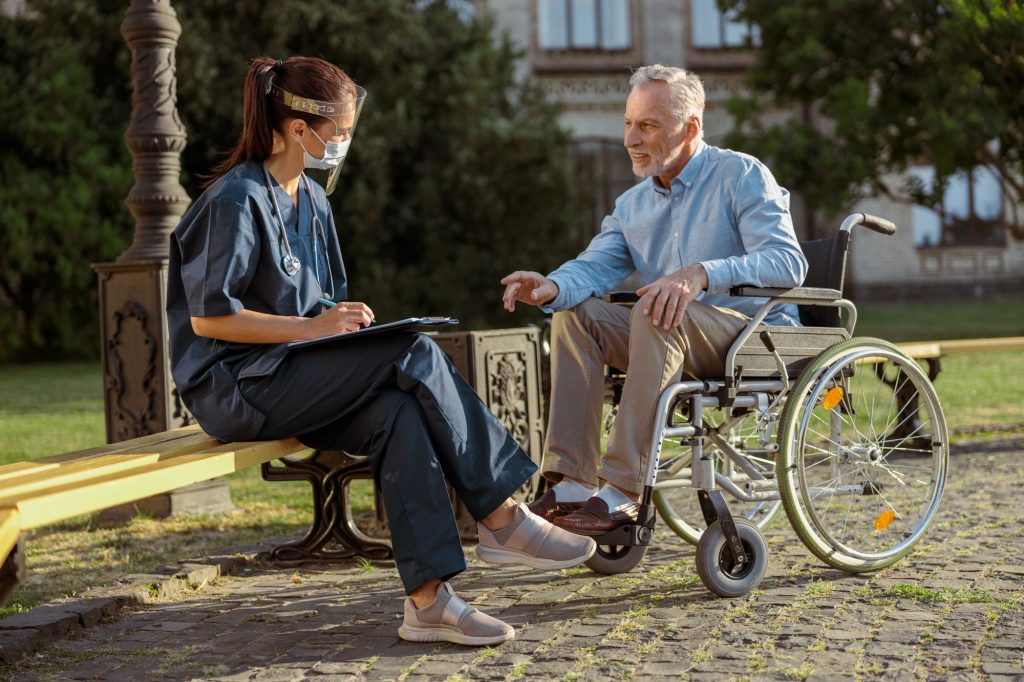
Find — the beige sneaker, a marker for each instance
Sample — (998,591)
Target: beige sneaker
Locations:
(533,542)
(449,619)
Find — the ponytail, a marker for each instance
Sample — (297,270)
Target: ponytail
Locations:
(262,114)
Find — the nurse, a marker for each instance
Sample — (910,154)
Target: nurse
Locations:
(249,264)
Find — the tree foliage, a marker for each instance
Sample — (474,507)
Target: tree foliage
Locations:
(881,85)
(456,174)
(64,172)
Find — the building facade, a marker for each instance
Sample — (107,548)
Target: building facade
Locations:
(582,51)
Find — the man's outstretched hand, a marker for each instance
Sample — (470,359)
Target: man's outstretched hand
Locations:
(665,299)
(527,287)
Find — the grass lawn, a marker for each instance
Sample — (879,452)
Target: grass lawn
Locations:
(936,321)
(53,408)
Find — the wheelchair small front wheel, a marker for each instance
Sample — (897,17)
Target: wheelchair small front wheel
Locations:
(613,559)
(717,568)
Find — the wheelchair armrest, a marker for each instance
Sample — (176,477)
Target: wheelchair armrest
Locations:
(621,297)
(811,294)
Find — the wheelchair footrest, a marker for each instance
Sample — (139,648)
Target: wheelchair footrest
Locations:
(629,536)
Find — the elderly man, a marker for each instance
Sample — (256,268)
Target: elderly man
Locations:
(706,219)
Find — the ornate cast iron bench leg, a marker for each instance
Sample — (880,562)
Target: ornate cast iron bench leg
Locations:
(329,473)
(13,570)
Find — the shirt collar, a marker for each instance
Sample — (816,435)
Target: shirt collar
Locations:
(693,167)
(689,173)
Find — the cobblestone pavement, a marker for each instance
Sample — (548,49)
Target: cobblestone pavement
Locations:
(952,610)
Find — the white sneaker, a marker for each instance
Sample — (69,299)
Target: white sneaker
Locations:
(449,619)
(533,542)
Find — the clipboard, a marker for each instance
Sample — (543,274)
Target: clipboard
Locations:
(408,324)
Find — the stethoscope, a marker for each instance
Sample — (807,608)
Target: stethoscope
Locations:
(289,261)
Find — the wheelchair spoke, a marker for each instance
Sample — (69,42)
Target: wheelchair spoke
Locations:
(897,387)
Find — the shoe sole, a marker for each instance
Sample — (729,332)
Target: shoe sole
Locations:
(494,555)
(587,532)
(411,633)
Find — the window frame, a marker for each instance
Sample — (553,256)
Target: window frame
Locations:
(597,48)
(751,39)
(973,224)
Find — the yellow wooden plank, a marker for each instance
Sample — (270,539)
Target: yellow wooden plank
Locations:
(52,504)
(10,529)
(129,445)
(96,463)
(16,469)
(922,350)
(99,466)
(982,345)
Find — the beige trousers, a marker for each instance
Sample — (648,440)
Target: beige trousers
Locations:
(597,333)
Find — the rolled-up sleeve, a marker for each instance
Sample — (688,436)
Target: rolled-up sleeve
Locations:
(605,262)
(773,257)
(219,253)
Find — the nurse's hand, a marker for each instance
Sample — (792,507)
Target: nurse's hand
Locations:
(527,287)
(347,316)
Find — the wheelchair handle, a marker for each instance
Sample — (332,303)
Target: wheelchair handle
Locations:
(877,224)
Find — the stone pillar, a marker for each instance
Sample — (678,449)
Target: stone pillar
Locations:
(138,392)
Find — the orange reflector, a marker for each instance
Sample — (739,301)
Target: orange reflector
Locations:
(884,519)
(832,398)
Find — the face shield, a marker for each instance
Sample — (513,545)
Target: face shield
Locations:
(343,115)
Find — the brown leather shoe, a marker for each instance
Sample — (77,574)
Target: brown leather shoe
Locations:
(550,509)
(593,518)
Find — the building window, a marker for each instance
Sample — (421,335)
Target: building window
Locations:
(714,29)
(971,213)
(583,25)
(602,167)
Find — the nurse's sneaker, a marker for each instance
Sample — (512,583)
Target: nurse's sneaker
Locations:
(533,542)
(449,619)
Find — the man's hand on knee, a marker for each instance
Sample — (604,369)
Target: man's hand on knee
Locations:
(665,299)
(527,287)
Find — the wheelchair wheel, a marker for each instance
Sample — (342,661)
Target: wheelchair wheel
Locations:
(715,564)
(863,455)
(613,559)
(676,499)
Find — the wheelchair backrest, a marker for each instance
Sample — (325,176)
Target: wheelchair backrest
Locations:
(826,268)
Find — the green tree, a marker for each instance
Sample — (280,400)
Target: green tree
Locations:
(457,172)
(878,86)
(64,172)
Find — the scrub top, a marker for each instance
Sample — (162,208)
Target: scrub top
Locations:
(226,256)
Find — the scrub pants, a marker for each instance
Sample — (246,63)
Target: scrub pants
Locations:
(396,398)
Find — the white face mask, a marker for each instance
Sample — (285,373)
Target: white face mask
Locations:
(334,154)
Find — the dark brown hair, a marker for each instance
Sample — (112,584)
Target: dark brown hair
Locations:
(262,114)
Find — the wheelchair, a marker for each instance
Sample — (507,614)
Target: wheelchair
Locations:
(854,449)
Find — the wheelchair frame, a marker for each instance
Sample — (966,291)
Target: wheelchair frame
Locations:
(732,553)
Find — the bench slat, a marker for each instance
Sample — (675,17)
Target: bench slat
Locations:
(58,502)
(183,435)
(982,345)
(96,466)
(922,351)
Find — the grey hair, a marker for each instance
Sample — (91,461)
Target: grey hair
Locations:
(686,89)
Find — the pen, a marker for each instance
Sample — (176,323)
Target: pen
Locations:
(330,304)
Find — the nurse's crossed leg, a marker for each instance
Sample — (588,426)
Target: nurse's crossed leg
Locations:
(249,263)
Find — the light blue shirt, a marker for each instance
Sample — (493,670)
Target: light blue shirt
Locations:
(724,211)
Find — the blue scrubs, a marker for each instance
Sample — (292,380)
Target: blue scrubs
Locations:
(394,397)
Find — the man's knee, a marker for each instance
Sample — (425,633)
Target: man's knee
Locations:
(583,316)
(644,323)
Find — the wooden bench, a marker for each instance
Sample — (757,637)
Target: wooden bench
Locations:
(35,493)
(503,366)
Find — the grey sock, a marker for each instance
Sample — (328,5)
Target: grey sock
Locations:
(505,533)
(432,612)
